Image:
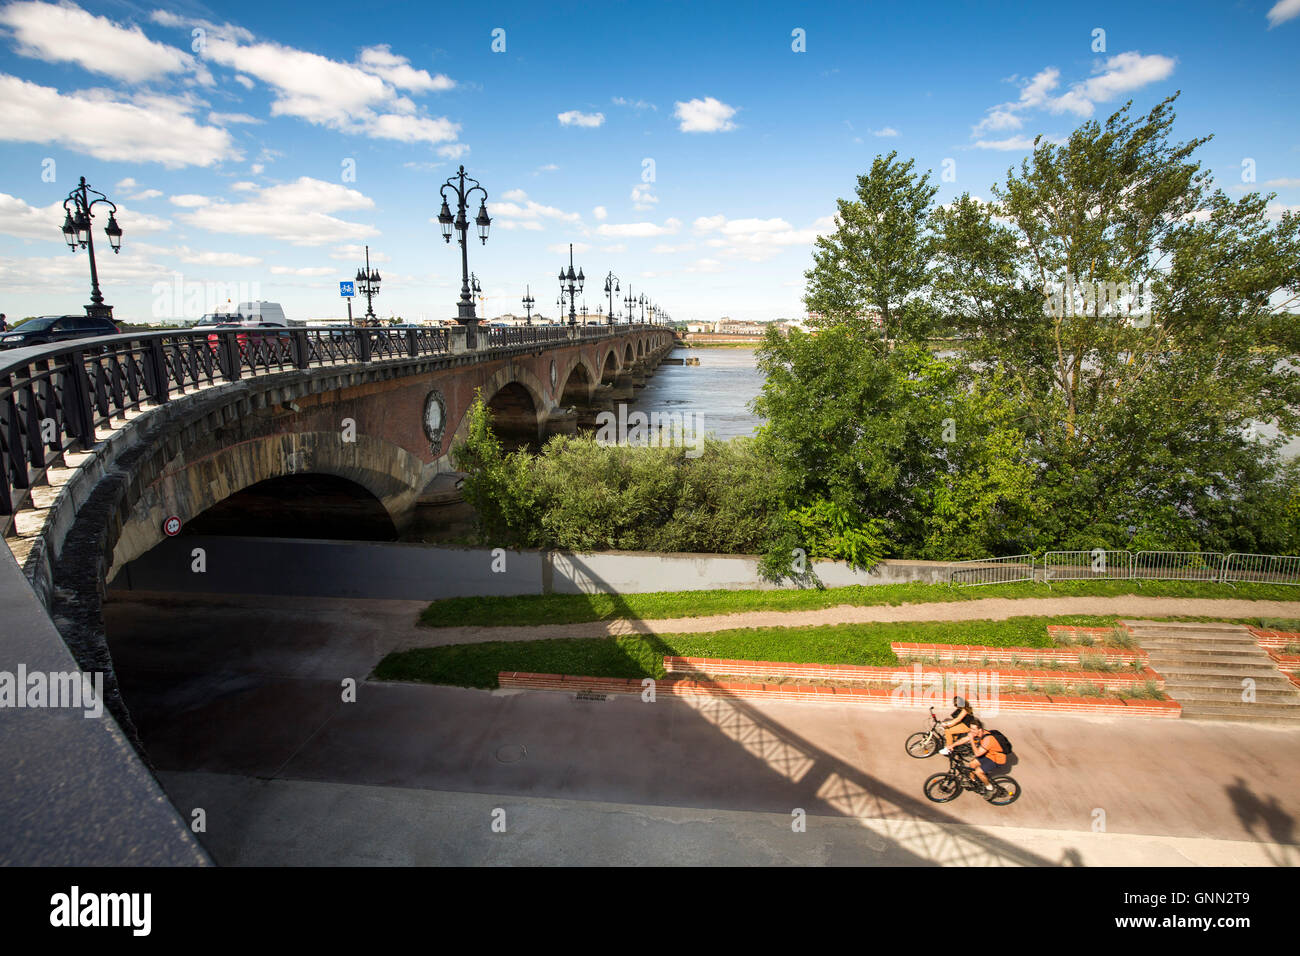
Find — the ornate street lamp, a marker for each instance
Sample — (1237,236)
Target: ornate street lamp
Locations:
(446,222)
(571,285)
(630,302)
(368,285)
(78,212)
(611,286)
(529,302)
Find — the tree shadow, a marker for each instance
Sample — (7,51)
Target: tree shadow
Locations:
(1265,818)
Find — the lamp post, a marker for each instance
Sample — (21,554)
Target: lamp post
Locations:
(571,285)
(529,302)
(611,286)
(368,285)
(559,309)
(465,308)
(630,302)
(77,232)
(641,301)
(583,310)
(652,313)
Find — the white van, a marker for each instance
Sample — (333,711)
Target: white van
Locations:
(262,313)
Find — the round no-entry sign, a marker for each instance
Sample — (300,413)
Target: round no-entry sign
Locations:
(172,526)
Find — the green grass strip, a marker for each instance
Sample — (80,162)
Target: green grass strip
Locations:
(533,610)
(641,655)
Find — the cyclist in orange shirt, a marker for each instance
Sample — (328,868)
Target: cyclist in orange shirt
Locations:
(989,756)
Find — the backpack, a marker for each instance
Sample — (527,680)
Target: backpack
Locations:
(1001,738)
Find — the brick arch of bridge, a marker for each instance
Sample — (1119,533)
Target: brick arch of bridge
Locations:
(190,486)
(610,365)
(577,379)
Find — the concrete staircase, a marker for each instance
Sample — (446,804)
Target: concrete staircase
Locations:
(1203,665)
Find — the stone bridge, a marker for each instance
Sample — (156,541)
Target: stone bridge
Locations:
(102,447)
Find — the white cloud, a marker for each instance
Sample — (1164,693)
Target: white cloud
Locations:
(885,131)
(190,200)
(706,115)
(1122,73)
(516,211)
(146,194)
(357,253)
(1117,75)
(148,128)
(397,70)
(705,265)
(758,239)
(348,97)
(453,151)
(1283,11)
(639,230)
(643,196)
(205,257)
(64,33)
(17,218)
(1284,183)
(124,184)
(600,212)
(244,81)
(637,105)
(306,272)
(575,118)
(1022,143)
(296,212)
(229,119)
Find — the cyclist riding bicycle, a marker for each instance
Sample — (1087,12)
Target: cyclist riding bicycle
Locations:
(989,756)
(957,724)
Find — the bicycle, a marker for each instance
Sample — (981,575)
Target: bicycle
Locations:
(947,786)
(926,743)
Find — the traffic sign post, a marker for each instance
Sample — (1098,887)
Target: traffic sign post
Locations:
(347,290)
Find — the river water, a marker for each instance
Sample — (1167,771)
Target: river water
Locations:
(718,390)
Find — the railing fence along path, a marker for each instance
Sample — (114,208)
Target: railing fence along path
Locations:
(1101,564)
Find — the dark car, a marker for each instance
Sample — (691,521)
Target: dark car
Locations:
(47,329)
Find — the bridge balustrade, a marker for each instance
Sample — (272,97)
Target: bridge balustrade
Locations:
(54,398)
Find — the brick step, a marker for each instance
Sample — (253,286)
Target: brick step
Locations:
(1214,680)
(1204,650)
(1181,626)
(1185,694)
(1169,664)
(1240,711)
(1184,640)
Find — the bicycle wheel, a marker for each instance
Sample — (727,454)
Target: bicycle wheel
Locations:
(921,744)
(942,787)
(1005,791)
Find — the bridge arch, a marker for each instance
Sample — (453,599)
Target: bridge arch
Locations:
(609,367)
(187,489)
(629,355)
(577,384)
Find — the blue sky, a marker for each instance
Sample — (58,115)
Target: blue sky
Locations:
(267,149)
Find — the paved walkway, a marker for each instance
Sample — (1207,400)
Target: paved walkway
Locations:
(297,823)
(394,623)
(240,707)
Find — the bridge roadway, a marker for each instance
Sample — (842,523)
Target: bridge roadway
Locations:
(102,440)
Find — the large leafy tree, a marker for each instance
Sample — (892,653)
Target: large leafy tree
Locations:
(1124,417)
(874,264)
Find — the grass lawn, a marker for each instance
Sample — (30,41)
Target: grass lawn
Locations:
(532,610)
(641,655)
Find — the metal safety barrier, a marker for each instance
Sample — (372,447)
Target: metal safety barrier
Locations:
(1097,564)
(1178,566)
(1014,567)
(1261,569)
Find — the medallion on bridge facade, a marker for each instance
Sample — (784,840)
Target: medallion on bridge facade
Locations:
(435,419)
(553,375)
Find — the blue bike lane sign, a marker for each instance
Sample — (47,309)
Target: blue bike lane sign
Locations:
(347,290)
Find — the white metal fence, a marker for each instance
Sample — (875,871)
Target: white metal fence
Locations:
(1014,567)
(1261,569)
(1213,567)
(1178,566)
(1097,564)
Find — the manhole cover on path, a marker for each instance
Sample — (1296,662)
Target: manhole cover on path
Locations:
(512,753)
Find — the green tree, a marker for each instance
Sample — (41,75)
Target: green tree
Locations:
(876,260)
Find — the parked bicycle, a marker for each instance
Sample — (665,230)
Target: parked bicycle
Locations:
(945,787)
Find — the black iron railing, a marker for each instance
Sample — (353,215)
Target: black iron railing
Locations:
(53,398)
